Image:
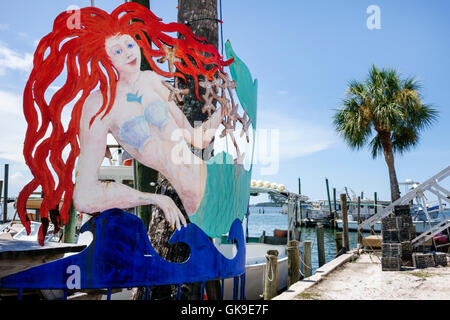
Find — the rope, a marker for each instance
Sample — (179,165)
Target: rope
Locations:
(270,278)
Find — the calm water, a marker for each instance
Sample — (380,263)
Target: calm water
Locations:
(272,219)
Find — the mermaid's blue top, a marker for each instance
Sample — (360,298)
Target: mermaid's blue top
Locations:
(226,196)
(135,131)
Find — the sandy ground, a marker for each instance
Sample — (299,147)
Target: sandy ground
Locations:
(364,280)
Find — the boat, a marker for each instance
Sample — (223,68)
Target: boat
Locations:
(436,214)
(318,211)
(257,247)
(421,226)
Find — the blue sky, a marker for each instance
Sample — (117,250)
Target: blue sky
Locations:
(303,53)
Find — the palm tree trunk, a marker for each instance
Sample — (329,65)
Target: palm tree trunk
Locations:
(201,17)
(386,142)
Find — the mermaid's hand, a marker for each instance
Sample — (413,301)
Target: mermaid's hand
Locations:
(171,212)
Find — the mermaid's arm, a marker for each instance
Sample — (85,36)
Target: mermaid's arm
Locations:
(91,195)
(201,136)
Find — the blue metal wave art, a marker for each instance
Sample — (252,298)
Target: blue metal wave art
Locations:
(121,256)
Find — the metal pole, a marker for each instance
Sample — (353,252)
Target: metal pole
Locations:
(5,194)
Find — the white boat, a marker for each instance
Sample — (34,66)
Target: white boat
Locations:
(420,220)
(319,210)
(256,250)
(255,268)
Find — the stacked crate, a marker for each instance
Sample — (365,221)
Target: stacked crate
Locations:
(440,258)
(391,257)
(431,259)
(397,233)
(423,260)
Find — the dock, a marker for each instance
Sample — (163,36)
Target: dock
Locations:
(358,275)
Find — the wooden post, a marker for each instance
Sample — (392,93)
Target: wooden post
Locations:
(5,194)
(345,220)
(329,200)
(359,221)
(262,239)
(300,205)
(271,275)
(307,267)
(71,225)
(320,244)
(335,209)
(293,252)
(375,198)
(338,239)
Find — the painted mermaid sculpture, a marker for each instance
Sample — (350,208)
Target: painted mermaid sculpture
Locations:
(102,59)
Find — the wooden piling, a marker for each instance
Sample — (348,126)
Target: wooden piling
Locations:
(300,202)
(70,227)
(5,194)
(293,253)
(307,267)
(375,198)
(338,239)
(262,239)
(320,244)
(359,221)
(345,221)
(271,275)
(329,201)
(335,209)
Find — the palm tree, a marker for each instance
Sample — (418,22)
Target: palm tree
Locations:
(386,113)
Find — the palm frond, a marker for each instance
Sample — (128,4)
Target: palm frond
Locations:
(351,124)
(386,102)
(375,146)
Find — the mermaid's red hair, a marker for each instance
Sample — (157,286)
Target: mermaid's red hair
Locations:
(82,52)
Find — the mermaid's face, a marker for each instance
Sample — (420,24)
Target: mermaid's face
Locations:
(124,53)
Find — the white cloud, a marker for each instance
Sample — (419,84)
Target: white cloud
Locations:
(13,60)
(12,126)
(297,137)
(10,102)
